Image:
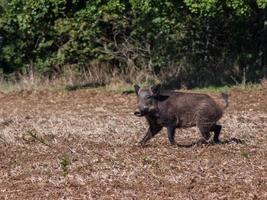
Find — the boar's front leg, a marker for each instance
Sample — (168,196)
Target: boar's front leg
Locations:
(217,130)
(151,132)
(171,134)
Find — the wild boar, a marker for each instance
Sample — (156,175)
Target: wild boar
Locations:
(173,110)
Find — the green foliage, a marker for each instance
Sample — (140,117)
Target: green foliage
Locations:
(204,7)
(244,153)
(196,41)
(147,161)
(262,4)
(64,162)
(216,7)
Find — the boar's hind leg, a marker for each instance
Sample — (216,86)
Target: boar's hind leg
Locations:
(216,129)
(151,132)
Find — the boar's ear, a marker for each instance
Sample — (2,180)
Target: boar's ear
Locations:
(155,89)
(136,88)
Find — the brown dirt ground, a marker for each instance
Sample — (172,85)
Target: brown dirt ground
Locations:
(97,134)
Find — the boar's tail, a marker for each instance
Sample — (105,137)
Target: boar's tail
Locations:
(225,97)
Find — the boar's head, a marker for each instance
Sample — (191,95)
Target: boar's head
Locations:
(147,100)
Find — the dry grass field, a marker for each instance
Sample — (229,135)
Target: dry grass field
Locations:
(83,145)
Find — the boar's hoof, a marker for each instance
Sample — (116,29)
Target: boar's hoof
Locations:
(216,141)
(173,144)
(141,144)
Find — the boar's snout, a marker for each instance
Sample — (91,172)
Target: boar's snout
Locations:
(137,113)
(141,112)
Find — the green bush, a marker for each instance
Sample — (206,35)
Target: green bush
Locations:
(182,42)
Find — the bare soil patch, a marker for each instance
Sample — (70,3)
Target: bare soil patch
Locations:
(82,145)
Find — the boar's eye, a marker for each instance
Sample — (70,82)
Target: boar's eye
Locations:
(149,97)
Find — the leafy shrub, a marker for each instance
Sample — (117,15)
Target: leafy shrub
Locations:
(191,42)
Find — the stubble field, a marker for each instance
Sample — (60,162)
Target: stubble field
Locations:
(83,145)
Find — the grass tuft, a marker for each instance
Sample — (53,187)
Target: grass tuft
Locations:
(33,135)
(213,89)
(244,153)
(65,162)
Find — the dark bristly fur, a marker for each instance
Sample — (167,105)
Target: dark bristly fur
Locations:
(179,110)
